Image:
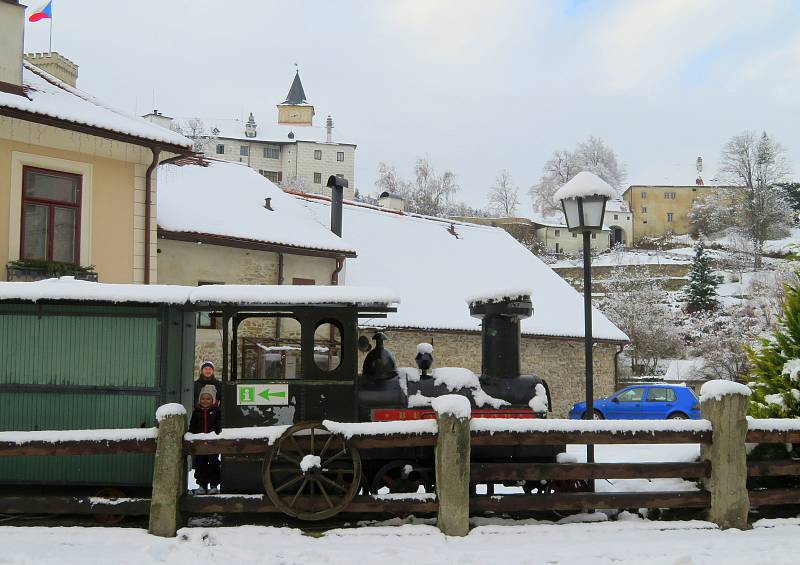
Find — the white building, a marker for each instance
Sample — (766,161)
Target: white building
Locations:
(292,151)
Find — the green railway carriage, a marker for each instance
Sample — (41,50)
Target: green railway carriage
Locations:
(74,360)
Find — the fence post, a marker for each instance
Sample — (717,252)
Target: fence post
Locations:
(169,471)
(724,404)
(452,463)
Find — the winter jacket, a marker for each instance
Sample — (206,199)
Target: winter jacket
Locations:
(205,420)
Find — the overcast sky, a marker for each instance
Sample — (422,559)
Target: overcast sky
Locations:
(477,86)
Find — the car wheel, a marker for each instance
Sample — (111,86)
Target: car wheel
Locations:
(678,416)
(598,415)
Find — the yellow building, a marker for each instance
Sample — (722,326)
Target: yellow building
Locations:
(660,210)
(77,182)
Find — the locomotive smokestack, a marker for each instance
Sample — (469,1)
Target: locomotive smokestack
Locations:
(500,332)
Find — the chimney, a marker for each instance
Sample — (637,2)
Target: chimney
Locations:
(55,64)
(392,201)
(337,186)
(250,126)
(500,333)
(159,119)
(329,130)
(12,32)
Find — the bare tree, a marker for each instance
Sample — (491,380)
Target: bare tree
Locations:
(503,195)
(592,155)
(634,301)
(388,180)
(429,193)
(195,129)
(757,165)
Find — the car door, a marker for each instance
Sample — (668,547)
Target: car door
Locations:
(627,405)
(658,405)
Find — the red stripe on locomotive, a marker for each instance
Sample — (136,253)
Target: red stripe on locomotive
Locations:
(392,414)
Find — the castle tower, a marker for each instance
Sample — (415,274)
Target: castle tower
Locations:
(295,110)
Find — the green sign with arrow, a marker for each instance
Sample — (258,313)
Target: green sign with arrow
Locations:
(275,394)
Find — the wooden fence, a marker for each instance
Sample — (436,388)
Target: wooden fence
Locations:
(722,470)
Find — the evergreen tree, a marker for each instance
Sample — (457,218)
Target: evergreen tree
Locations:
(776,365)
(701,292)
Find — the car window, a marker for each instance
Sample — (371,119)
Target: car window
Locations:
(632,395)
(661,394)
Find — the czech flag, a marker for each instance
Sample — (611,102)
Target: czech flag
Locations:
(43,13)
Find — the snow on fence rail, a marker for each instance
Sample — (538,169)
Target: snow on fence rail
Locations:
(428,434)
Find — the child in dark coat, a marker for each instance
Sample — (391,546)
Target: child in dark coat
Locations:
(208,377)
(206,418)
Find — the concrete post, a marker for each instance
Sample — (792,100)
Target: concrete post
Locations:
(452,464)
(169,472)
(725,406)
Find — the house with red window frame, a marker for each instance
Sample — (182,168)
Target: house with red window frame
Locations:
(77,177)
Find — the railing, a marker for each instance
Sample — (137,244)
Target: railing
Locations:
(722,470)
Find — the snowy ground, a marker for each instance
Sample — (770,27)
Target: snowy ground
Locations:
(628,540)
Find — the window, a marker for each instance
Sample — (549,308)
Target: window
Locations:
(594,235)
(558,233)
(272,152)
(644,194)
(303,282)
(644,209)
(318,154)
(669,216)
(616,216)
(340,155)
(51,211)
(631,395)
(574,234)
(644,221)
(274,176)
(208,320)
(558,248)
(670,195)
(317,178)
(220,149)
(244,151)
(661,394)
(327,345)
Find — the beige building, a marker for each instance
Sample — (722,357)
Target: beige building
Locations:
(661,210)
(292,151)
(77,177)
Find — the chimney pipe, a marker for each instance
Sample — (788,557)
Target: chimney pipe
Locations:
(329,130)
(337,186)
(12,33)
(500,334)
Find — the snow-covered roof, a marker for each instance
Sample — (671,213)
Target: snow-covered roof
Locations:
(227,199)
(433,271)
(48,96)
(585,184)
(69,289)
(269,131)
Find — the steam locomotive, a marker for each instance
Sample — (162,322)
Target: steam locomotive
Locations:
(382,392)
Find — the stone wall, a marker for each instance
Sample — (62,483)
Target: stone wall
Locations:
(559,361)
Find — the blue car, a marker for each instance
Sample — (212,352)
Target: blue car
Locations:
(644,402)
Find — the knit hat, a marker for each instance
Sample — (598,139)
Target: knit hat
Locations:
(210,390)
(206,364)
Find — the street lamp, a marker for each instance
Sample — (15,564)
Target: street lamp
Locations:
(583,199)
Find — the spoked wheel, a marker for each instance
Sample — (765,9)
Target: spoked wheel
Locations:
(109,519)
(310,473)
(401,476)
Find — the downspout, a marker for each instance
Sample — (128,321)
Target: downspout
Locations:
(148,201)
(616,366)
(280,281)
(334,282)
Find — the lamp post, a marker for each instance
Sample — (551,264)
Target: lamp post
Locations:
(583,200)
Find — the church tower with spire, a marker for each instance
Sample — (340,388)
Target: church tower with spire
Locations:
(296,110)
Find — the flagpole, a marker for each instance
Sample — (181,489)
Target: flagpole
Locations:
(51,34)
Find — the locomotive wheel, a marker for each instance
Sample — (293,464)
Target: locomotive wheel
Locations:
(310,473)
(401,476)
(109,519)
